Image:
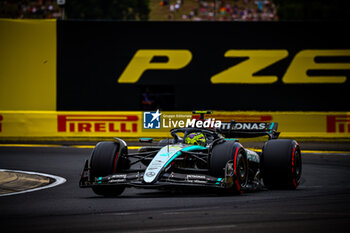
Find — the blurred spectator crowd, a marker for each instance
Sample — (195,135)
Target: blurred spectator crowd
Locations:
(32,9)
(196,10)
(224,10)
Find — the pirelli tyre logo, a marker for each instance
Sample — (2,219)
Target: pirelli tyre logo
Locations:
(338,124)
(97,123)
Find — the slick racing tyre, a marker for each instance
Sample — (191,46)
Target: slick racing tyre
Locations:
(233,152)
(106,160)
(281,164)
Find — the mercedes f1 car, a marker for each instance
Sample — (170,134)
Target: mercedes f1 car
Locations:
(219,162)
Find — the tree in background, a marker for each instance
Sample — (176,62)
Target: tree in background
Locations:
(107,9)
(313,9)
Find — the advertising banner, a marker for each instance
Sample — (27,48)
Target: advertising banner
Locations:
(54,124)
(157,124)
(28,61)
(230,66)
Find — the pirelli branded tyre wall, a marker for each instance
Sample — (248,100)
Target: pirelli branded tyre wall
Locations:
(133,124)
(264,66)
(86,79)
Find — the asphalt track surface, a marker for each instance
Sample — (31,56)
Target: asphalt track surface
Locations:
(320,204)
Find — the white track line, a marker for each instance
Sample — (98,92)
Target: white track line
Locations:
(58,181)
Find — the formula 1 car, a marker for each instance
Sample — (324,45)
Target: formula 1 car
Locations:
(220,163)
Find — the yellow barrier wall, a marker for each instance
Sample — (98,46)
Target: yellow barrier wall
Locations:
(68,125)
(27,64)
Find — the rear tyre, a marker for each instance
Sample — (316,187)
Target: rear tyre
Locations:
(281,164)
(234,152)
(106,160)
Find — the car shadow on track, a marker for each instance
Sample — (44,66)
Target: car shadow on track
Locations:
(162,194)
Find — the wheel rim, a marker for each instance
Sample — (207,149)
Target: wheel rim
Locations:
(297,161)
(241,170)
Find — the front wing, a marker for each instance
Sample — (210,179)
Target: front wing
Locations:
(166,180)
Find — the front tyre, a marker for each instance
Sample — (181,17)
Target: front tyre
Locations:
(234,153)
(281,164)
(106,159)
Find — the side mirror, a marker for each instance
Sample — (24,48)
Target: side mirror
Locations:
(150,140)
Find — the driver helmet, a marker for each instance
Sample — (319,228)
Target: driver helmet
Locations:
(195,139)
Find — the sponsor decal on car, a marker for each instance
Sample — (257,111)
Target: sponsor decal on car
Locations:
(119,176)
(245,126)
(195,177)
(150,174)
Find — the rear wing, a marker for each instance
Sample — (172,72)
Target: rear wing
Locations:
(243,129)
(249,129)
